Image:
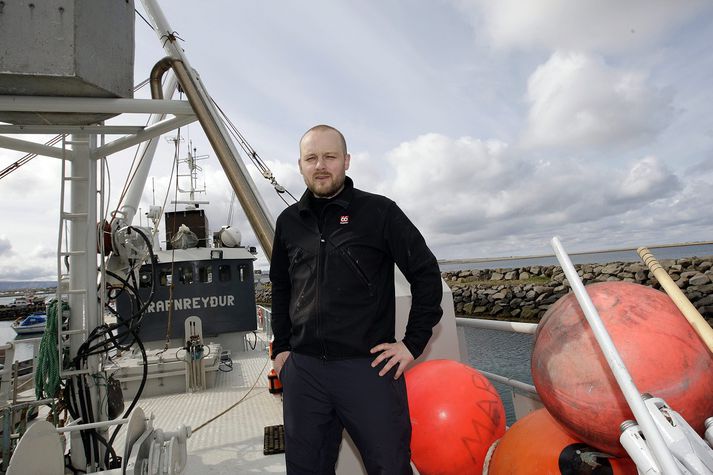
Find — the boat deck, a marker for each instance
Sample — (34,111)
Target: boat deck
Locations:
(234,442)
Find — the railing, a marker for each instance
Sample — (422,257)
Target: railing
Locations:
(524,396)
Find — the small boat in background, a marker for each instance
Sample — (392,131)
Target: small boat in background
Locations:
(35,322)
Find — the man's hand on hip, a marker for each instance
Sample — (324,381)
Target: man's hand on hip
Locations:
(394,354)
(279,361)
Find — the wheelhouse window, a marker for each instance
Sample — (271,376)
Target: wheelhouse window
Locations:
(224,274)
(205,274)
(186,274)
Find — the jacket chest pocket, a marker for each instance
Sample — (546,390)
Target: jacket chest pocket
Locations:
(357,271)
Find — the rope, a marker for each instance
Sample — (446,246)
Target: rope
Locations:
(262,371)
(47,380)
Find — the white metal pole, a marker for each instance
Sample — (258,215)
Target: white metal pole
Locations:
(258,214)
(146,154)
(621,374)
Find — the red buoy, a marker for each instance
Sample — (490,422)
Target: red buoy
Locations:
(538,444)
(658,346)
(456,414)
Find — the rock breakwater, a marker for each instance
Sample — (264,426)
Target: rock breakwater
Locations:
(526,293)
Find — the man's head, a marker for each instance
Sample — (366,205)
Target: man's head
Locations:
(323,160)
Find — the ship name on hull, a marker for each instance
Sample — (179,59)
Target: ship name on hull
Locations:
(193,303)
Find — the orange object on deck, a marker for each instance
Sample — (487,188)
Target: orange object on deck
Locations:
(537,444)
(274,384)
(662,352)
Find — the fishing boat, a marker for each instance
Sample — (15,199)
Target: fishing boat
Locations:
(177,381)
(36,322)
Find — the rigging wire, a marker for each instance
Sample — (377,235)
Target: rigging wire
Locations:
(176,157)
(254,157)
(26,158)
(144,19)
(53,141)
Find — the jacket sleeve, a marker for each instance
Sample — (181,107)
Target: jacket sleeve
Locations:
(281,289)
(420,267)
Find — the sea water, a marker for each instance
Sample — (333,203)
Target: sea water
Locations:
(602,257)
(503,353)
(23,349)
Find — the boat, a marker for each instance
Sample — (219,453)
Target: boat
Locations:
(36,322)
(177,381)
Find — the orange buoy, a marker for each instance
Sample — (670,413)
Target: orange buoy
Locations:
(662,352)
(456,414)
(538,444)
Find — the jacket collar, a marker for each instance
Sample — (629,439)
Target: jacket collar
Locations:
(343,198)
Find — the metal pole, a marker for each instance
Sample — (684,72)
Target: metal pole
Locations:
(621,374)
(146,153)
(260,219)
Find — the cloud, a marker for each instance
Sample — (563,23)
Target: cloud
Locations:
(591,25)
(5,246)
(647,179)
(477,197)
(577,100)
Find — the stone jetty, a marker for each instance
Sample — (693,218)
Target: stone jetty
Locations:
(525,293)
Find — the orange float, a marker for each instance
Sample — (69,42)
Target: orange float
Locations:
(456,415)
(658,346)
(537,444)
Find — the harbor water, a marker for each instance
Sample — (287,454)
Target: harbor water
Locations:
(503,353)
(597,257)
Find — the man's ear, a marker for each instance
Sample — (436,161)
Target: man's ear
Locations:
(346,161)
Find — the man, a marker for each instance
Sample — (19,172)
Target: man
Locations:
(333,305)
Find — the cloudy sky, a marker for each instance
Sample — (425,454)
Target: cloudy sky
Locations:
(494,125)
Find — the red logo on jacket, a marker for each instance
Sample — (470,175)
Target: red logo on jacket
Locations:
(344,219)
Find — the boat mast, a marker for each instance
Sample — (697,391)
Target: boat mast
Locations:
(259,216)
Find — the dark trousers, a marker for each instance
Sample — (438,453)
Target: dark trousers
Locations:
(321,398)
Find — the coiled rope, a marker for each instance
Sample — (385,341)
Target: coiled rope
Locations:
(47,380)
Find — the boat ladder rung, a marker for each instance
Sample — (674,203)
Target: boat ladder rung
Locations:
(72,332)
(75,178)
(73,372)
(76,142)
(74,216)
(71,253)
(75,291)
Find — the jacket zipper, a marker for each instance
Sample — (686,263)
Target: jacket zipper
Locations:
(358,270)
(320,271)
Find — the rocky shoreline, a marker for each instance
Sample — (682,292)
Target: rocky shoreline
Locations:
(525,293)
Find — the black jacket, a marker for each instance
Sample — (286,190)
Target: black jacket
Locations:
(333,292)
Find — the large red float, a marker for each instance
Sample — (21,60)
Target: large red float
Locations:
(658,346)
(537,444)
(456,415)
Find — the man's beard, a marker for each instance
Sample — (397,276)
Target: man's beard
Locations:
(336,186)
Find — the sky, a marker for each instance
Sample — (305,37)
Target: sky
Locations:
(494,125)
